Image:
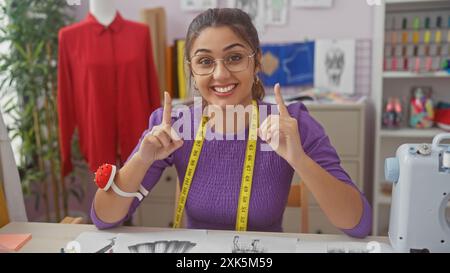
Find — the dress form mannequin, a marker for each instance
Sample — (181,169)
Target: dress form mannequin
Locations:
(121,72)
(103,10)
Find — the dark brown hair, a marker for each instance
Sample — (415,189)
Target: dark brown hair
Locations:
(240,23)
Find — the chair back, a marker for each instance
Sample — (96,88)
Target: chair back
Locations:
(298,198)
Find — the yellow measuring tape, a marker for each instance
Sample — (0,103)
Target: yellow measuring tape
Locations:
(247,172)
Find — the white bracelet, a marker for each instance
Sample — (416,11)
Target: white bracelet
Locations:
(139,195)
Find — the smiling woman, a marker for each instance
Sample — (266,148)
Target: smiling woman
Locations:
(231,60)
(235,184)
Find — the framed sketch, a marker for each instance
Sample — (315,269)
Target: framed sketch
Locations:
(334,65)
(276,12)
(312,3)
(254,8)
(198,5)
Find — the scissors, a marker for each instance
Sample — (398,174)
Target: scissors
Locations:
(107,247)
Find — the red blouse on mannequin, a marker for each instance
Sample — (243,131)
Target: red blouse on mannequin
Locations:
(107,88)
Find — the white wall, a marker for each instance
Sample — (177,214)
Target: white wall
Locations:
(350,19)
(347,19)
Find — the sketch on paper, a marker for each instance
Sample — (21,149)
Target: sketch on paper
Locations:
(312,3)
(198,5)
(202,241)
(254,8)
(177,241)
(253,247)
(229,242)
(164,246)
(335,65)
(277,11)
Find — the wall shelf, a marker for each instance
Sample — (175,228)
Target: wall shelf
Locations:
(399,84)
(410,133)
(403,75)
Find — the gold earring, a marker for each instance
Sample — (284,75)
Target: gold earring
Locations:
(257,80)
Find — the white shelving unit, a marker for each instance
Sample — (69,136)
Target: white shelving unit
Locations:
(409,133)
(398,84)
(404,75)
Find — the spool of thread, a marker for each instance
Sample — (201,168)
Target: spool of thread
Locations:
(405,35)
(416,34)
(417,65)
(448,26)
(393,37)
(429,64)
(405,63)
(439,22)
(438,35)
(427,36)
(394,64)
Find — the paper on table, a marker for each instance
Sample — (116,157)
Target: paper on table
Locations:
(343,247)
(202,241)
(228,242)
(195,241)
(14,241)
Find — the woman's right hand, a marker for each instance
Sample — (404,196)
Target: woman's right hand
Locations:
(162,140)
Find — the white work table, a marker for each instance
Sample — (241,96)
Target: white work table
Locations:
(51,237)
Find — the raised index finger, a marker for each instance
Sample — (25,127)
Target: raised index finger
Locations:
(279,99)
(167,112)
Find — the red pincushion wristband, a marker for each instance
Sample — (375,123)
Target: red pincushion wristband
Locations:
(104,178)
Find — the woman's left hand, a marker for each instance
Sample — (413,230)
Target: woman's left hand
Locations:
(281,131)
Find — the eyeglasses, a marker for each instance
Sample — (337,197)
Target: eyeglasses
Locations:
(203,65)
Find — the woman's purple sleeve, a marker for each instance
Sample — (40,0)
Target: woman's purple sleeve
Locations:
(317,145)
(150,179)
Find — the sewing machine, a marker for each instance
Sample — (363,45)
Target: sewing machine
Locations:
(420,208)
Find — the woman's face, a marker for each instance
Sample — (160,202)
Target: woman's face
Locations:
(223,87)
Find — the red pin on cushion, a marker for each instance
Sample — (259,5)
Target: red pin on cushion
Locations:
(104,176)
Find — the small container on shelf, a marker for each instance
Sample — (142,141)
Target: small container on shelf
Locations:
(421,108)
(442,117)
(446,65)
(393,113)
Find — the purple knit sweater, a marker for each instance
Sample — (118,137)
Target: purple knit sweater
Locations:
(213,196)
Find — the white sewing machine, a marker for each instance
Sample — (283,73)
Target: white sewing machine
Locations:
(420,174)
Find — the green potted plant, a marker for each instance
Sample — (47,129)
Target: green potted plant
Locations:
(28,73)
